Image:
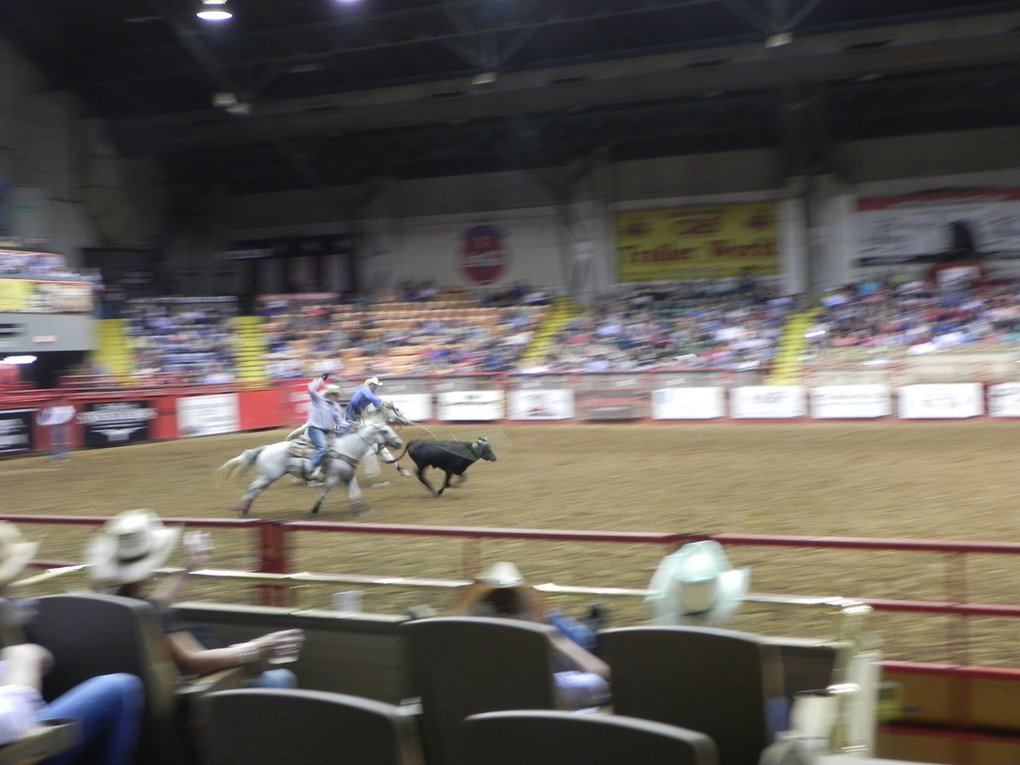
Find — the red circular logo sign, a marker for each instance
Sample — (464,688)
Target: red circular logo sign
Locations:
(483,254)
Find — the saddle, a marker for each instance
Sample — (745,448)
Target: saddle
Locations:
(301,447)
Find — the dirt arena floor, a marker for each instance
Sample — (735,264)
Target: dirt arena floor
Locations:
(936,481)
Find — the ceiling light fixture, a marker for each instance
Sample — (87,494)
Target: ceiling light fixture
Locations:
(778,40)
(483,78)
(214,10)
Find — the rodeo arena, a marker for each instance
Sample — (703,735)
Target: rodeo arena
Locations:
(501,382)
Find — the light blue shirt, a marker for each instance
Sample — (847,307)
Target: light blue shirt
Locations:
(322,412)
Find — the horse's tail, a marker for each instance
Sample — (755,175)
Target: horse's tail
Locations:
(239,464)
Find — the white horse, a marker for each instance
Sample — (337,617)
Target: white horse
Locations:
(340,466)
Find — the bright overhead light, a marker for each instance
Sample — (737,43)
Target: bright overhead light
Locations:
(483,78)
(778,40)
(214,10)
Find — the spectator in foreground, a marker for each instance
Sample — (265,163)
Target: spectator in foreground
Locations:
(108,708)
(696,585)
(582,678)
(123,559)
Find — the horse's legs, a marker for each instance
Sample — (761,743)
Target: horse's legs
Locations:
(332,479)
(425,481)
(255,488)
(356,499)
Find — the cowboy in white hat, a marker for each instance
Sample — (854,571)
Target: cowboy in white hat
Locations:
(697,585)
(108,708)
(124,557)
(325,420)
(363,401)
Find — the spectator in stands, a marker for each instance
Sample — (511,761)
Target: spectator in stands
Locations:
(108,708)
(582,678)
(325,420)
(696,586)
(123,559)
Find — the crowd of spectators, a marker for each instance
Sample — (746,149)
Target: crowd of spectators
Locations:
(719,325)
(727,325)
(34,265)
(191,338)
(917,316)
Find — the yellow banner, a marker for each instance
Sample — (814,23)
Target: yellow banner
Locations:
(709,242)
(15,294)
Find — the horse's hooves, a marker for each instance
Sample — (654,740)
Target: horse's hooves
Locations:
(315,510)
(362,511)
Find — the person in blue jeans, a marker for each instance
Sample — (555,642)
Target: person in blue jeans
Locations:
(325,419)
(123,559)
(107,708)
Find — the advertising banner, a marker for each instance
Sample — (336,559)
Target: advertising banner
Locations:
(16,431)
(541,404)
(475,405)
(414,406)
(207,415)
(116,423)
(768,401)
(949,401)
(1004,400)
(704,242)
(688,403)
(851,401)
(918,227)
(39,296)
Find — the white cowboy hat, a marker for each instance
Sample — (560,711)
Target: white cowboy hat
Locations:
(373,381)
(331,390)
(697,581)
(502,574)
(15,552)
(130,547)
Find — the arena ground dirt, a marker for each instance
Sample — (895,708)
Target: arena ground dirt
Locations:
(925,480)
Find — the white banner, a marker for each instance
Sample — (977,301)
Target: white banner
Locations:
(949,401)
(851,401)
(768,401)
(1004,400)
(688,403)
(414,406)
(547,404)
(915,224)
(477,405)
(207,415)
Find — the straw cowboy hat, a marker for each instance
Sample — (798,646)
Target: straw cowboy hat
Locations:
(15,552)
(501,591)
(130,547)
(697,584)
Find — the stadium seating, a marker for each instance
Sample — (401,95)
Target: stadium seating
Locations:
(262,726)
(723,683)
(538,737)
(94,634)
(466,665)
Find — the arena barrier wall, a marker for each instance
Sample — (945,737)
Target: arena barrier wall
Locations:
(159,409)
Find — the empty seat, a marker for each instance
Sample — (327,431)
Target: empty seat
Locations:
(303,727)
(536,737)
(724,683)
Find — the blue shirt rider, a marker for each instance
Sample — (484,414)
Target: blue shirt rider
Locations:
(325,419)
(363,396)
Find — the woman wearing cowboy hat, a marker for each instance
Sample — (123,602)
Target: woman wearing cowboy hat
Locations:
(123,558)
(108,708)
